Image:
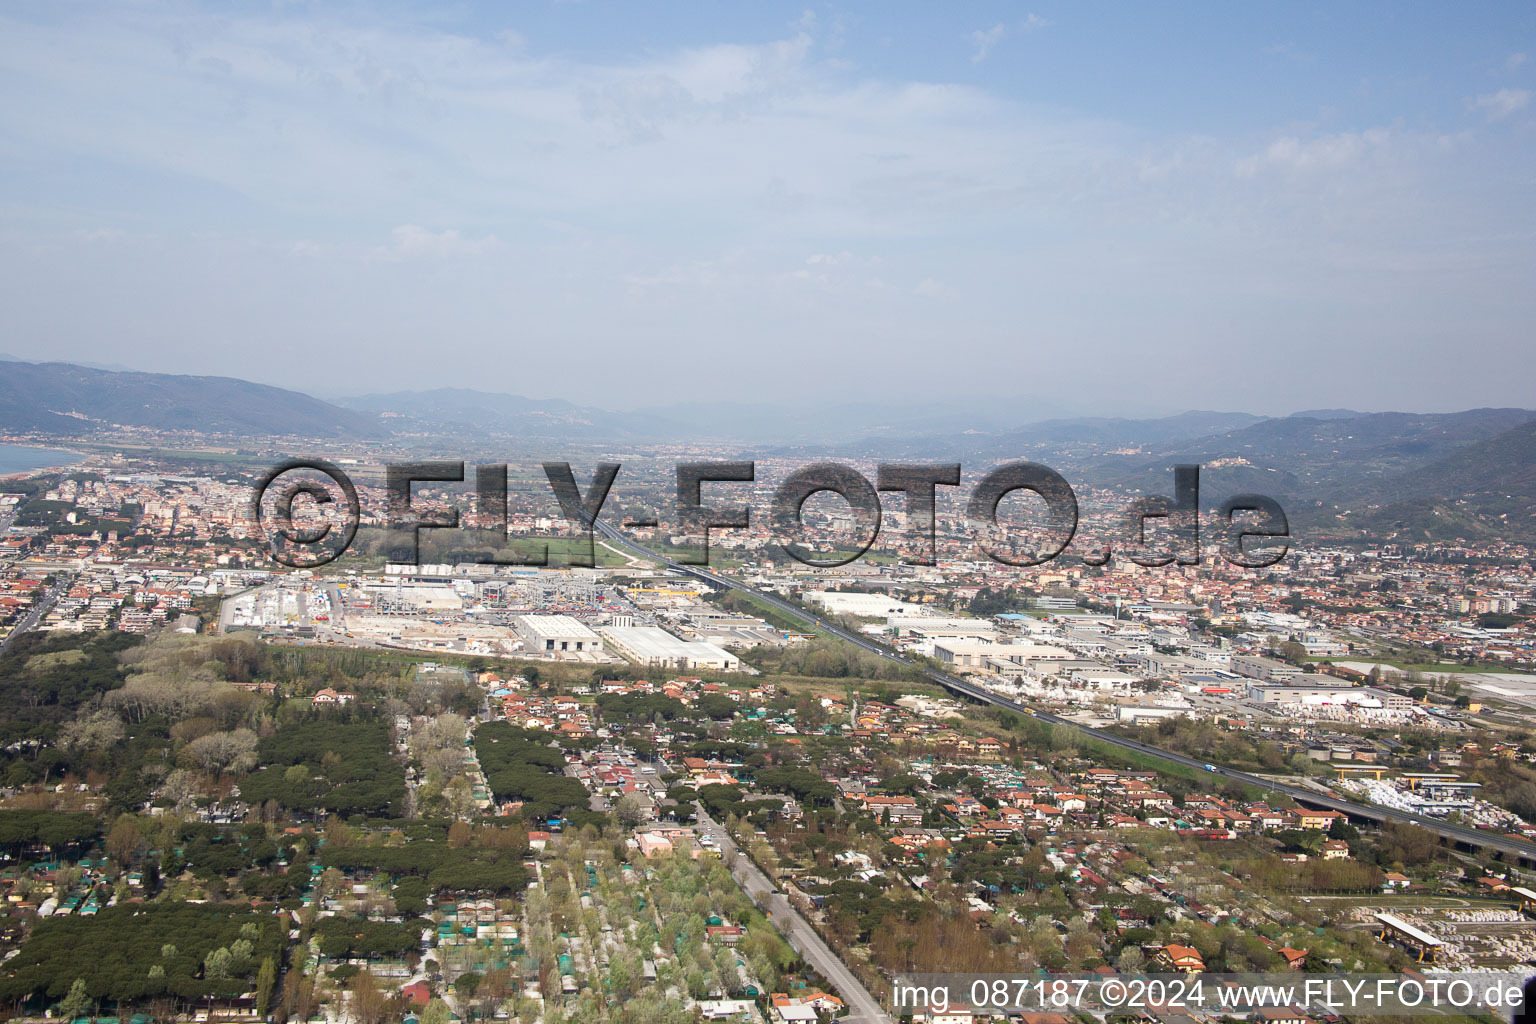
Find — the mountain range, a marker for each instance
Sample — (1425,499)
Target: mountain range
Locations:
(1401,475)
(480,413)
(70,401)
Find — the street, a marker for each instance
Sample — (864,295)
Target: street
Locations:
(37,611)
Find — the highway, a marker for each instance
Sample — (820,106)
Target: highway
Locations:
(1523,853)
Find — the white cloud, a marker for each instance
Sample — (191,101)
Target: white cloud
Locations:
(1033,21)
(984,40)
(406,242)
(1514,61)
(1501,104)
(100,234)
(1322,153)
(412,241)
(1290,53)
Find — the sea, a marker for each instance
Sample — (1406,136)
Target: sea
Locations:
(19,459)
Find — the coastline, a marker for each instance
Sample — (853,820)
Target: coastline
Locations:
(55,467)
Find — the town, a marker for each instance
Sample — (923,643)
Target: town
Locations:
(1045,527)
(460,789)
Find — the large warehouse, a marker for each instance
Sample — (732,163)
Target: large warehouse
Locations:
(872,606)
(550,634)
(975,653)
(1323,693)
(1267,669)
(652,645)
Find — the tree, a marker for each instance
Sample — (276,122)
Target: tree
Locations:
(439,745)
(466,985)
(74,1004)
(222,751)
(1293,652)
(217,963)
(367,1001)
(96,732)
(902,783)
(123,841)
(632,809)
(435,1012)
(459,795)
(266,980)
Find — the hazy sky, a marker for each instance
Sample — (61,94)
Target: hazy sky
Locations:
(1265,207)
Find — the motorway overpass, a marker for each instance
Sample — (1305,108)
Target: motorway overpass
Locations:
(1515,851)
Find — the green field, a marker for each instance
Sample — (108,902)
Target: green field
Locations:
(775,617)
(561,550)
(1447,667)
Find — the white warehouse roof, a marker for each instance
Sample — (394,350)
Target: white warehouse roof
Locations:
(652,644)
(558,627)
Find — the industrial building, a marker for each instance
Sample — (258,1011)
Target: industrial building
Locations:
(975,654)
(871,606)
(1328,693)
(1267,669)
(552,634)
(931,628)
(1334,692)
(652,645)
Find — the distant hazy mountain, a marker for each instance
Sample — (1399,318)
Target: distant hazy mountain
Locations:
(800,421)
(1328,445)
(1481,490)
(1318,469)
(1047,437)
(6,357)
(792,422)
(1118,431)
(465,410)
(1328,414)
(66,399)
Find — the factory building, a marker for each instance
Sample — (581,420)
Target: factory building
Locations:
(1267,669)
(553,634)
(974,654)
(1328,693)
(652,645)
(873,606)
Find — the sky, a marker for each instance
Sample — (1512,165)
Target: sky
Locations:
(1110,208)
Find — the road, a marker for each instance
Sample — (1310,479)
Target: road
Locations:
(1524,853)
(38,610)
(863,1008)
